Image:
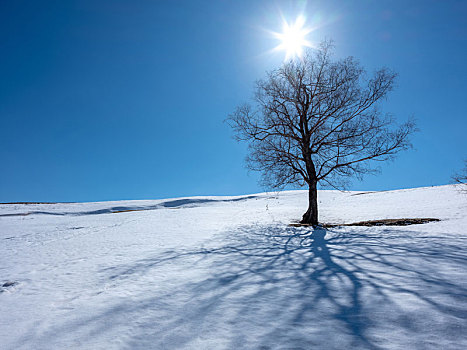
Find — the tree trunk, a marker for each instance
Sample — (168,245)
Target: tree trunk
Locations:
(311,215)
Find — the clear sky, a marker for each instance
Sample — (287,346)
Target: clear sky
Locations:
(108,100)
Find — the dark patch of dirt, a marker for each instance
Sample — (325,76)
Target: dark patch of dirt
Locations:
(362,193)
(9,284)
(4,287)
(382,222)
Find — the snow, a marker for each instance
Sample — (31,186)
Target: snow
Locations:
(230,273)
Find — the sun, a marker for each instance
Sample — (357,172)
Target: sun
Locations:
(293,38)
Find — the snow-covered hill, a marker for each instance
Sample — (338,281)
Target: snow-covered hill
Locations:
(230,273)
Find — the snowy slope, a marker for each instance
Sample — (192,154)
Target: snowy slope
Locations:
(230,273)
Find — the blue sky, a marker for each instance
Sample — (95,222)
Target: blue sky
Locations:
(107,100)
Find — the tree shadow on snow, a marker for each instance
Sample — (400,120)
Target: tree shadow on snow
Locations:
(285,287)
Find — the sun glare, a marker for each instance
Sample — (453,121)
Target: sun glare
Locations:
(293,38)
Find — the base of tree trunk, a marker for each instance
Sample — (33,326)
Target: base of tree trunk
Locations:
(299,224)
(309,219)
(311,215)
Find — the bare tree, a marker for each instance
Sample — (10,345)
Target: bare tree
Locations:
(316,120)
(461,177)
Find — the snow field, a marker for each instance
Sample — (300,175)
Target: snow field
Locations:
(230,273)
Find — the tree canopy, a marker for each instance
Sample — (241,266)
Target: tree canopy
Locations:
(318,120)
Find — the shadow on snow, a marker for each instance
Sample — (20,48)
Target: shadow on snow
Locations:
(276,287)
